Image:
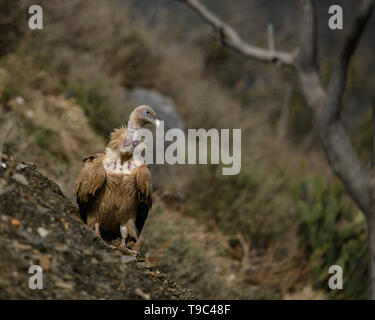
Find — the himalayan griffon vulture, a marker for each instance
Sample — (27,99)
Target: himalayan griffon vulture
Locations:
(114,188)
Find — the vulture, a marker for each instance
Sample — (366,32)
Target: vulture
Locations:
(113,188)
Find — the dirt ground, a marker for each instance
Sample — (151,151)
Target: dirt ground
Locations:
(40,226)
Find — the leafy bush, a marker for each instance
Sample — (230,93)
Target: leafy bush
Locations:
(332,233)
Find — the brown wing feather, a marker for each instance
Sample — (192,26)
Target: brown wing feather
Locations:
(144,197)
(89,181)
(144,185)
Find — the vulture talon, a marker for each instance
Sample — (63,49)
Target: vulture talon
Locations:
(127,250)
(123,244)
(133,252)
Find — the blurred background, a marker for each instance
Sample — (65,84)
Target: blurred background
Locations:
(270,232)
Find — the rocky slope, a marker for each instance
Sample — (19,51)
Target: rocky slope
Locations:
(40,226)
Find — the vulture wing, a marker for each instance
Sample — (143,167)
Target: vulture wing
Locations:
(144,199)
(89,181)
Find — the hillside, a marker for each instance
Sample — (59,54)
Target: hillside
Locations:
(39,225)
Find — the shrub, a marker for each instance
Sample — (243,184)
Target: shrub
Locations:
(332,233)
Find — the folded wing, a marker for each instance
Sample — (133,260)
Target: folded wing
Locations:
(89,181)
(144,201)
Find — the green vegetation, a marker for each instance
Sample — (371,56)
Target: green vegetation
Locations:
(332,234)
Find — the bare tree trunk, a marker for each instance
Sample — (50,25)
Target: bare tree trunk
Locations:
(325,103)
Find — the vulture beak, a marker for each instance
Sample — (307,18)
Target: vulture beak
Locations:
(157,122)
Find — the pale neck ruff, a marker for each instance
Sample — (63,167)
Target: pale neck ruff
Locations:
(112,161)
(111,154)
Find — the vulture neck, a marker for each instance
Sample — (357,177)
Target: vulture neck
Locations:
(133,124)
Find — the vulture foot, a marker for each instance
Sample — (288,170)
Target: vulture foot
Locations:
(126,249)
(123,245)
(98,235)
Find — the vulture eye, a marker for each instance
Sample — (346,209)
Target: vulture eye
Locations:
(148,114)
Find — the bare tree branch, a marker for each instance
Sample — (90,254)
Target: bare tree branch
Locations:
(345,163)
(337,81)
(336,142)
(232,39)
(308,52)
(307,65)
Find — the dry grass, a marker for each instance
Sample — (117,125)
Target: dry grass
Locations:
(200,258)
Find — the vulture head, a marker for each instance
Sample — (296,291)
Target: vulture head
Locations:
(123,139)
(141,116)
